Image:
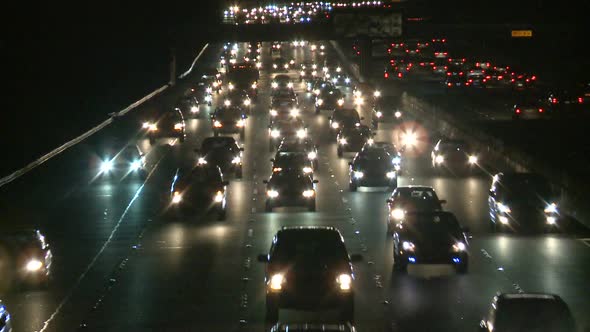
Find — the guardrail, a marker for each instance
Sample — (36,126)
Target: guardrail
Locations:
(55,152)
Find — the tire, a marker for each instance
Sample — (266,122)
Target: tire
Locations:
(267,207)
(346,314)
(340,153)
(272,313)
(352,186)
(239,173)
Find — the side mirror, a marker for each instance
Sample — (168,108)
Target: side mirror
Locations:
(263,258)
(316,181)
(355,258)
(265,181)
(442,201)
(225,183)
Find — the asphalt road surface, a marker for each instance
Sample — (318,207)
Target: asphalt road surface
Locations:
(122,264)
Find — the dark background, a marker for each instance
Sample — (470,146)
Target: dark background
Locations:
(65,66)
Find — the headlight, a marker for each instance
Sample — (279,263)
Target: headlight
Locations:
(218,196)
(379,114)
(230,86)
(409,139)
(241,123)
(334,80)
(201,161)
(340,102)
(194,109)
(398,114)
(359,100)
(178,126)
(398,214)
(396,160)
(307,170)
(272,193)
(320,102)
(209,90)
(343,141)
(335,125)
(215,85)
(316,91)
(408,246)
(227,102)
(347,80)
(472,159)
(135,165)
(503,208)
(344,281)
(217,124)
(145,125)
(551,220)
(286,66)
(176,197)
(254,85)
(274,85)
(106,166)
(390,175)
(302,73)
(312,155)
(34,265)
(308,193)
(294,112)
(551,208)
(247,102)
(275,133)
(503,220)
(274,65)
(274,113)
(439,159)
(276,282)
(290,85)
(208,98)
(370,141)
(153,127)
(338,69)
(358,175)
(459,246)
(377,93)
(301,133)
(258,65)
(236,160)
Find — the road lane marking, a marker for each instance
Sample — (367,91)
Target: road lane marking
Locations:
(100,251)
(253,210)
(585,241)
(344,200)
(255,191)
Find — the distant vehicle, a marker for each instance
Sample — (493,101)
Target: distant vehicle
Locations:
(238,98)
(411,199)
(281,82)
(427,238)
(529,109)
(281,128)
(290,188)
(396,156)
(352,139)
(119,161)
(540,312)
(440,66)
(344,117)
(281,65)
(167,124)
(454,155)
(372,168)
(202,92)
(523,202)
(309,268)
(284,104)
(26,257)
(313,327)
(213,77)
(301,146)
(453,82)
(292,161)
(328,99)
(244,76)
(189,106)
(229,119)
(202,187)
(386,109)
(223,152)
(6,319)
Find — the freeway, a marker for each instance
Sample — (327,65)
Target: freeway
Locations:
(122,264)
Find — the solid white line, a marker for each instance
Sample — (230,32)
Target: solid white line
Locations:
(99,253)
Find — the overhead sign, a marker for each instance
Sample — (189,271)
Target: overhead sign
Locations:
(375,25)
(522,33)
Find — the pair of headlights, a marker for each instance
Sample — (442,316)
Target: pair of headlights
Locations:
(306,193)
(177,197)
(276,282)
(457,246)
(108,165)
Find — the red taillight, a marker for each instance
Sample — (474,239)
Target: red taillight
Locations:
(389,50)
(540,110)
(386,75)
(461,74)
(449,84)
(580,100)
(518,111)
(399,75)
(500,77)
(527,80)
(488,77)
(534,77)
(553,100)
(512,80)
(434,68)
(448,74)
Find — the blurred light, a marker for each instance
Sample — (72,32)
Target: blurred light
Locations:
(34,265)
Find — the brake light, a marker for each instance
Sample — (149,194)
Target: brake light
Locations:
(399,75)
(500,77)
(449,84)
(580,100)
(386,75)
(448,73)
(434,68)
(461,74)
(534,77)
(553,100)
(518,111)
(540,110)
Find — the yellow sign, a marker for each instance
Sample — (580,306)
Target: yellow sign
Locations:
(522,33)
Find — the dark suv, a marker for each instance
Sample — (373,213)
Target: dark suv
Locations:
(309,269)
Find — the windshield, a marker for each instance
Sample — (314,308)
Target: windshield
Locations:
(305,246)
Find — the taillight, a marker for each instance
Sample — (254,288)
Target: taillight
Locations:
(399,75)
(518,111)
(580,100)
(534,77)
(540,110)
(434,68)
(448,74)
(461,74)
(449,84)
(386,75)
(553,100)
(500,77)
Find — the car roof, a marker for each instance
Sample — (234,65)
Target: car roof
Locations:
(539,296)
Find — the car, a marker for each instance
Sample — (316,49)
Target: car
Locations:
(343,118)
(329,98)
(281,128)
(410,199)
(372,168)
(26,256)
(523,202)
(453,82)
(440,66)
(281,81)
(117,160)
(542,312)
(313,327)
(213,79)
(386,109)
(430,238)
(202,92)
(244,76)
(221,151)
(201,187)
(189,106)
(229,119)
(396,156)
(352,139)
(5,319)
(290,187)
(284,104)
(303,146)
(455,156)
(522,81)
(476,80)
(529,109)
(238,98)
(314,85)
(309,267)
(280,65)
(166,124)
(336,75)
(455,69)
(292,161)
(568,101)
